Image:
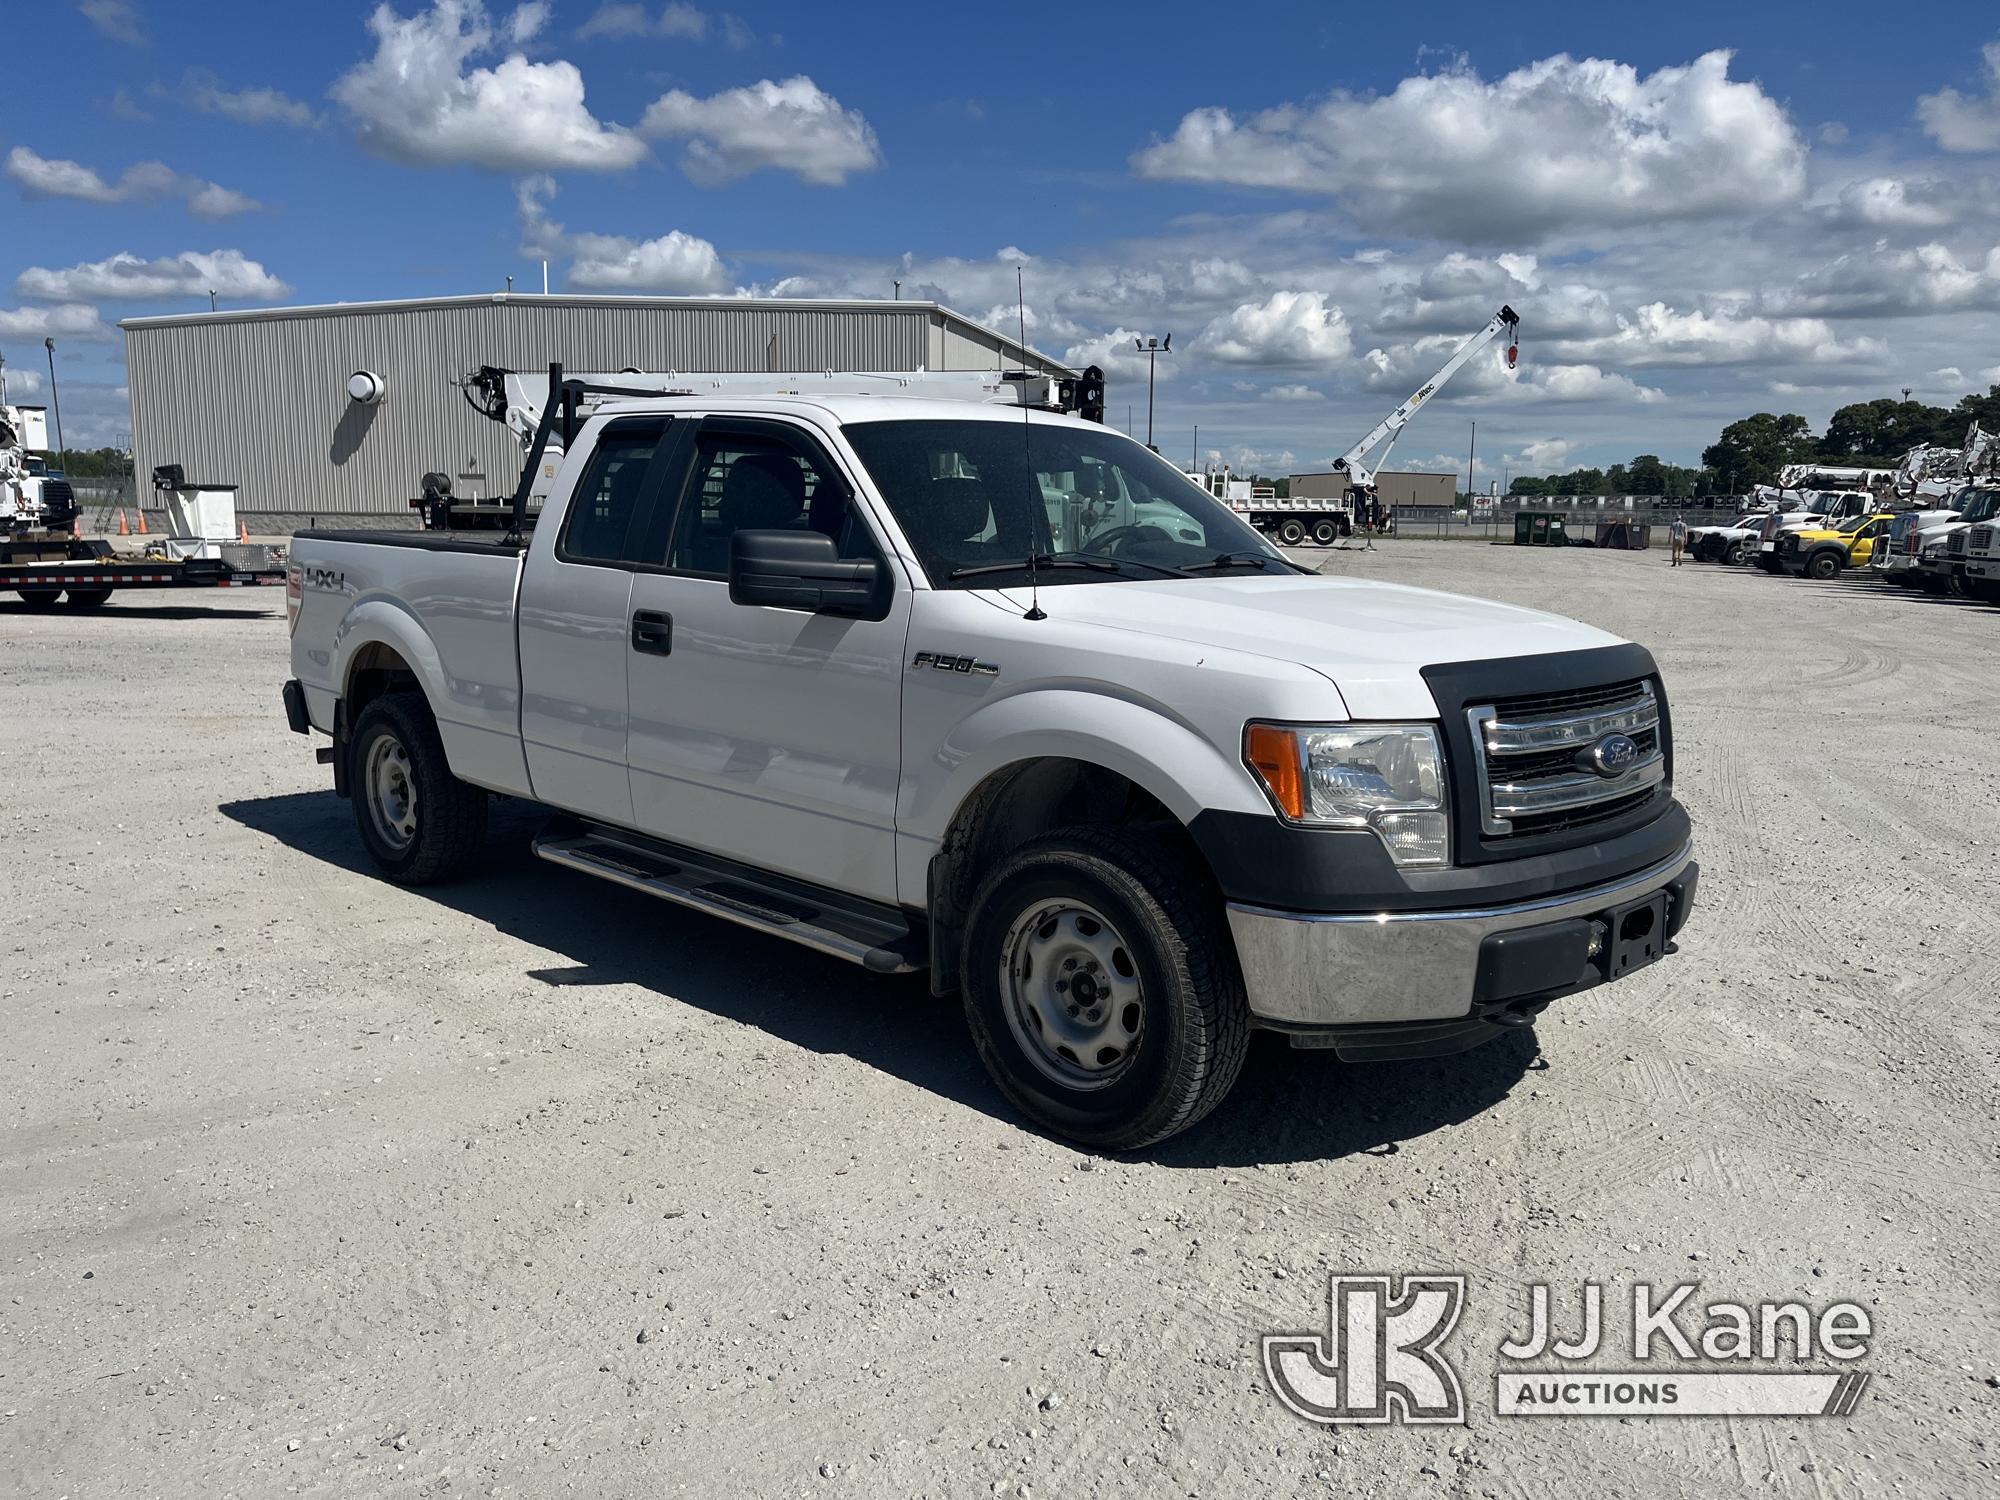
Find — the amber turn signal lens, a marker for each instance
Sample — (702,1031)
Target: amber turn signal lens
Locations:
(1274,754)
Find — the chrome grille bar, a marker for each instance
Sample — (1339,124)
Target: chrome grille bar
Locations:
(1520,737)
(1548,794)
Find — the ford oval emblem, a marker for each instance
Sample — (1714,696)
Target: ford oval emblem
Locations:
(1613,755)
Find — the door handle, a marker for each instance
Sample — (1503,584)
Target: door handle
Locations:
(653,632)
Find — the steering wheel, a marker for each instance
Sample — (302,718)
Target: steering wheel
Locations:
(1109,541)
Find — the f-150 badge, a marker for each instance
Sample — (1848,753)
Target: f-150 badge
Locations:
(941,663)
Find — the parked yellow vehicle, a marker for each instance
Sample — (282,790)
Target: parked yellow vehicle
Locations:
(1822,551)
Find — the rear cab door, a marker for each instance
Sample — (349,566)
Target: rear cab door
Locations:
(572,615)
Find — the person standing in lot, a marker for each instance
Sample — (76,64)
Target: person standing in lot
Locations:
(1677,537)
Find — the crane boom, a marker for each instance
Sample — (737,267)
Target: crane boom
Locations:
(1351,462)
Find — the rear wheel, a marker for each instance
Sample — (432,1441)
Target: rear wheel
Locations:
(39,598)
(418,822)
(1292,532)
(1101,987)
(1326,533)
(86,598)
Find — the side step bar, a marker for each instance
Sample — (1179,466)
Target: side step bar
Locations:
(875,937)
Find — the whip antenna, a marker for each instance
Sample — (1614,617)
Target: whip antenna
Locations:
(1028,453)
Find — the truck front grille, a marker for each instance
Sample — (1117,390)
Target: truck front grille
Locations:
(1538,773)
(1979,538)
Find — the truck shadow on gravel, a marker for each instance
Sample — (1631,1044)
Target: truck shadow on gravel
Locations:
(1290,1105)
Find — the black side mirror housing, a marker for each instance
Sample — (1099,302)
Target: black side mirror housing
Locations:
(804,570)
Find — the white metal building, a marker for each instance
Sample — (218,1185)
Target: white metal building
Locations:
(259,399)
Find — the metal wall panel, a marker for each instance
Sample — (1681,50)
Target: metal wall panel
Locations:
(259,400)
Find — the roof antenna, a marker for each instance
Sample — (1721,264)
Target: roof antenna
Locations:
(1028,451)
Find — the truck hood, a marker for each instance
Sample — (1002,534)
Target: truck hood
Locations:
(1369,639)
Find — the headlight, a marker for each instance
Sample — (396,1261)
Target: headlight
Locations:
(1388,777)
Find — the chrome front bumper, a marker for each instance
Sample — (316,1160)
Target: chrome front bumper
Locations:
(1305,969)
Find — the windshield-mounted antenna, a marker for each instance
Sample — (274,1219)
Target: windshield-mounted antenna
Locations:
(1028,452)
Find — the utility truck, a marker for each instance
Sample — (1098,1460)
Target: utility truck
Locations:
(945,679)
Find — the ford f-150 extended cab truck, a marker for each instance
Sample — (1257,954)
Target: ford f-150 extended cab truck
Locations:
(995,692)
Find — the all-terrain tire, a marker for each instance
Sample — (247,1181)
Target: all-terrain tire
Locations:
(1163,909)
(396,740)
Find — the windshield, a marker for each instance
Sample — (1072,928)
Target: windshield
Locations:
(1851,525)
(964,494)
(1977,505)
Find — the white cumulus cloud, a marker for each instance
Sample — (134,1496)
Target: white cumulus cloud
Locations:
(54,177)
(68,320)
(1558,143)
(1287,328)
(416,101)
(1966,122)
(672,264)
(128,277)
(794,126)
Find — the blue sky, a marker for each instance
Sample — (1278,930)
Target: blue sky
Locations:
(1699,211)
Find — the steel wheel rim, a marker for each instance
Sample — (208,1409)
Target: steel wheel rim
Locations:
(1070,989)
(391,790)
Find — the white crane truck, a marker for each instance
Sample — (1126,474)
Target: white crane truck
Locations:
(980,688)
(1297,519)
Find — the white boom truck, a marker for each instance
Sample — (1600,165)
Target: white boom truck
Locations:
(1298,519)
(32,500)
(983,689)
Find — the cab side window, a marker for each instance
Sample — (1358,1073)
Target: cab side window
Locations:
(755,482)
(607,497)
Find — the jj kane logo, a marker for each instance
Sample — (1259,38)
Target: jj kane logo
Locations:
(1381,1358)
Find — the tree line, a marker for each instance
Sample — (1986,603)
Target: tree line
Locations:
(1752,451)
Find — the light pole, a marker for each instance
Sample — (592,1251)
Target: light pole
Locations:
(55,397)
(1197,447)
(1470,448)
(1152,348)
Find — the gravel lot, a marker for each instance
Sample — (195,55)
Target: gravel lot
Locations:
(532,1186)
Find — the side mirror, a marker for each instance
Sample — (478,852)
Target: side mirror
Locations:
(804,570)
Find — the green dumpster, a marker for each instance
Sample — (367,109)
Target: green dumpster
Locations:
(1539,528)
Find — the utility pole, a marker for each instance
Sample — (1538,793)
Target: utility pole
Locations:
(1152,348)
(1470,448)
(55,397)
(1197,447)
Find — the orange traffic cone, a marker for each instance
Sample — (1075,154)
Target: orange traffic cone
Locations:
(142,522)
(124,526)
(243,532)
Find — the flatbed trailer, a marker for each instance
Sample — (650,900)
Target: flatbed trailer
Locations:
(87,582)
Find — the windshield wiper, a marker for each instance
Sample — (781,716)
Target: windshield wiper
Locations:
(1093,563)
(1243,560)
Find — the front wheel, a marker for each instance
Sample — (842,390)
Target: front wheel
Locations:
(418,822)
(1823,566)
(39,598)
(1735,555)
(1292,533)
(1101,987)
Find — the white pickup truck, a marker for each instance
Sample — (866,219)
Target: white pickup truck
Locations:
(996,693)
